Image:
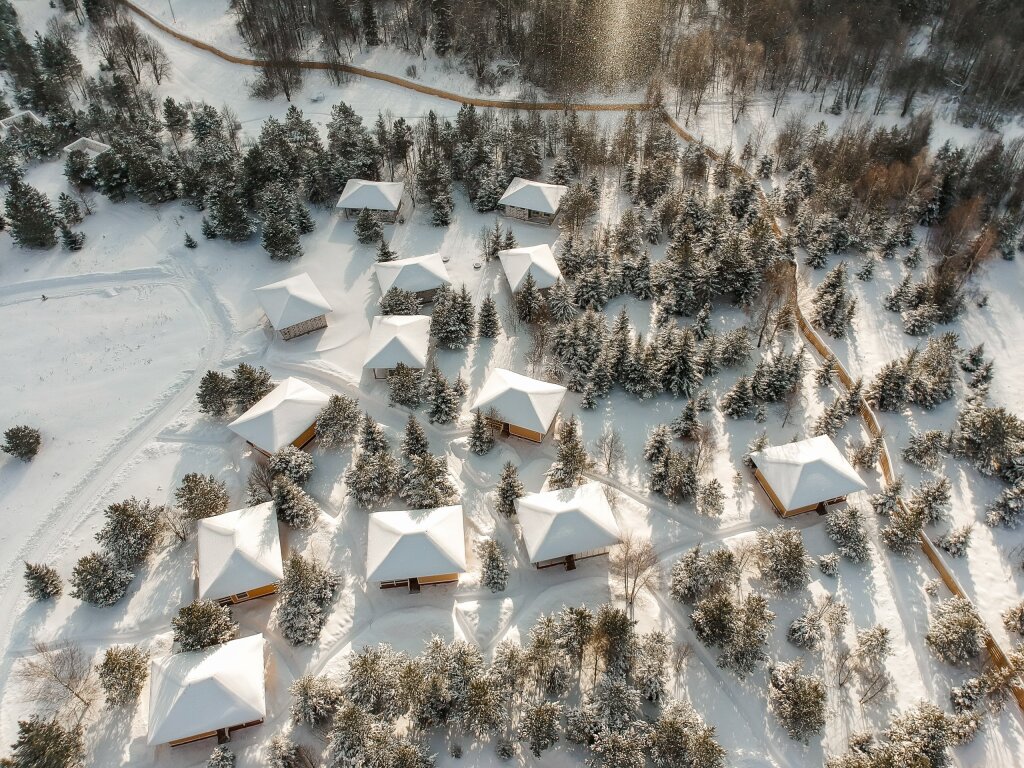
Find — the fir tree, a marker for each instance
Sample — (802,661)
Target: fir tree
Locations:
(750,632)
(368,229)
(572,459)
(131,530)
(208,230)
(42,582)
(384,253)
(738,402)
(710,499)
(22,442)
(902,534)
(1013,618)
(368,23)
(123,673)
(493,565)
(190,242)
(414,440)
(697,573)
(451,324)
(227,212)
(249,385)
(69,211)
(404,386)
(797,699)
(338,422)
(46,744)
(293,463)
(681,738)
(31,217)
(221,757)
(100,579)
(956,633)
(1008,509)
(845,527)
(529,301)
(443,401)
(925,449)
(373,479)
(509,489)
(931,499)
(487,325)
(399,302)
(889,390)
(540,726)
(480,438)
(956,540)
(426,483)
(202,624)
(315,700)
(306,593)
(292,505)
(782,558)
(833,308)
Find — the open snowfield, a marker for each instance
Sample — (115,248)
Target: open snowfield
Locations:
(107,367)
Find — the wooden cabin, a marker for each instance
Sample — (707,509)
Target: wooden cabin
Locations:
(294,306)
(416,548)
(286,416)
(565,526)
(382,198)
(518,405)
(239,555)
(532,201)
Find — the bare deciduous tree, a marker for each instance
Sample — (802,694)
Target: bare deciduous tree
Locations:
(59,677)
(636,562)
(609,450)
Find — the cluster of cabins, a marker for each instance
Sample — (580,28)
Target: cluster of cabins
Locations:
(210,693)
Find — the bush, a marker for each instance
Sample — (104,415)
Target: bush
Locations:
(293,463)
(955,632)
(122,674)
(202,624)
(22,441)
(100,579)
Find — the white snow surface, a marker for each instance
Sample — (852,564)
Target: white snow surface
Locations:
(238,551)
(281,416)
(566,522)
(807,472)
(415,543)
(292,300)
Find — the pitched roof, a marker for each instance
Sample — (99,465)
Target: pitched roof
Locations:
(199,691)
(90,147)
(292,300)
(520,400)
(416,273)
(533,195)
(807,472)
(375,195)
(398,339)
(403,545)
(537,260)
(239,551)
(566,522)
(281,416)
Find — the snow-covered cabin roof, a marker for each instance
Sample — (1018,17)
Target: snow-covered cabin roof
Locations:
(566,522)
(282,416)
(807,472)
(404,545)
(375,195)
(19,119)
(239,551)
(533,195)
(90,147)
(416,273)
(520,400)
(537,260)
(291,301)
(398,339)
(199,691)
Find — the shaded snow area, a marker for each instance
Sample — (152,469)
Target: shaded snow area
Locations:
(108,365)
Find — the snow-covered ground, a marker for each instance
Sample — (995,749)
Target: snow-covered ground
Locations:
(108,365)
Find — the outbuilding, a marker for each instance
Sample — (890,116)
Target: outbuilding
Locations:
(286,416)
(16,123)
(201,694)
(294,306)
(805,475)
(397,339)
(416,548)
(381,198)
(239,555)
(538,261)
(518,405)
(532,200)
(90,147)
(421,275)
(565,526)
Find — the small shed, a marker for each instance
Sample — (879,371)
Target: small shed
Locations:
(564,526)
(421,275)
(294,306)
(416,548)
(524,407)
(13,125)
(535,260)
(200,694)
(90,147)
(381,198)
(397,339)
(806,475)
(286,416)
(239,555)
(532,200)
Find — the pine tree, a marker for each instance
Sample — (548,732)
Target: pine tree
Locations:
(414,440)
(845,527)
(46,744)
(509,489)
(833,308)
(442,399)
(227,212)
(451,324)
(902,534)
(31,217)
(305,596)
(561,303)
(22,442)
(1013,618)
(1008,508)
(399,302)
(404,386)
(374,477)
(384,253)
(315,700)
(480,438)
(131,530)
(338,422)
(293,463)
(202,624)
(711,499)
(368,23)
(487,325)
(292,505)
(539,726)
(956,633)
(368,229)
(99,579)
(931,499)
(681,738)
(426,483)
(215,393)
(42,582)
(493,565)
(738,402)
(887,500)
(750,632)
(572,459)
(221,757)
(956,540)
(123,673)
(208,229)
(797,699)
(529,301)
(782,558)
(925,449)
(190,242)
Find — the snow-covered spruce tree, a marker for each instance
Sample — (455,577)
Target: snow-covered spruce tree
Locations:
(619,749)
(539,726)
(1008,508)
(782,558)
(202,624)
(956,540)
(404,387)
(373,479)
(221,757)
(897,298)
(414,440)
(887,500)
(46,744)
(832,419)
(493,565)
(956,633)
(249,385)
(833,308)
(350,729)
(845,526)
(480,438)
(710,498)
(399,302)
(924,449)
(680,737)
(338,422)
(306,593)
(22,442)
(190,242)
(282,752)
(561,303)
(225,203)
(829,564)
(902,534)
(315,700)
(122,674)
(736,348)
(200,496)
(738,402)
(293,463)
(214,394)
(384,253)
(1013,618)
(751,628)
(890,389)
(487,324)
(509,489)
(451,324)
(714,619)
(208,229)
(426,483)
(798,700)
(42,582)
(650,667)
(443,403)
(529,301)
(697,573)
(921,320)
(572,459)
(615,702)
(292,505)
(131,530)
(279,209)
(32,220)
(367,228)
(972,359)
(373,680)
(100,579)
(866,455)
(931,499)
